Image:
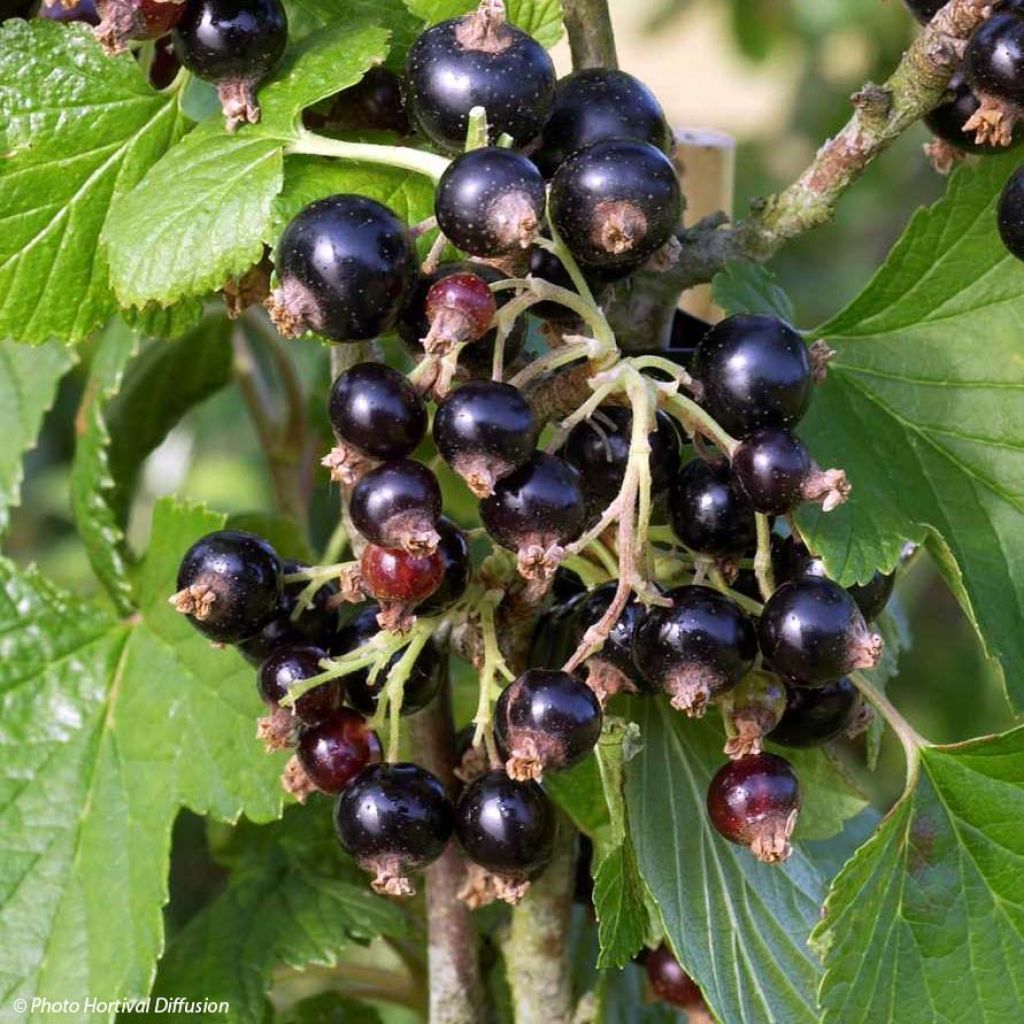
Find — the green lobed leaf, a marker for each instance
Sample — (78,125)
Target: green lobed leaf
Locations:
(108,728)
(738,927)
(927,917)
(28,385)
(79,129)
(393,15)
(542,19)
(829,796)
(156,321)
(924,408)
(750,288)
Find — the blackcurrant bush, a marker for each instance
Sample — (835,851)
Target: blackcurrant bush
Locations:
(754,802)
(546,721)
(771,469)
(597,104)
(505,826)
(394,819)
(334,751)
(377,411)
(873,596)
(81,10)
(479,61)
(815,716)
(294,664)
(535,508)
(994,58)
(599,449)
(393,576)
(812,632)
(947,120)
(616,203)
(484,431)
(755,372)
(669,982)
(229,584)
(706,512)
(453,547)
(1011,215)
(235,44)
(398,505)
(347,266)
(700,647)
(459,309)
(490,202)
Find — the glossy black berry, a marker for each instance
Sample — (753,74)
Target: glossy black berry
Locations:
(479,61)
(755,372)
(505,826)
(377,411)
(555,634)
(485,430)
(335,750)
(700,647)
(398,505)
(538,505)
(618,648)
(815,716)
(394,819)
(347,266)
(294,664)
(1011,215)
(546,721)
(229,584)
(315,625)
(770,469)
(616,203)
(453,550)
(599,449)
(873,596)
(595,105)
(423,682)
(754,801)
(994,58)
(707,513)
(812,632)
(669,982)
(947,120)
(219,40)
(490,202)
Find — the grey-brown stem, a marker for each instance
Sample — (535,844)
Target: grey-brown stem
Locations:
(589,27)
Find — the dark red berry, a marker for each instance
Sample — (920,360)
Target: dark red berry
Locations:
(393,575)
(815,716)
(546,721)
(700,647)
(771,469)
(394,819)
(707,513)
(398,505)
(754,802)
(1010,215)
(616,203)
(812,632)
(484,431)
(377,411)
(994,58)
(347,266)
(453,547)
(479,61)
(947,120)
(333,752)
(669,982)
(294,664)
(121,21)
(229,584)
(597,104)
(460,309)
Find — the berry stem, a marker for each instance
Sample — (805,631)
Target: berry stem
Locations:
(389,707)
(553,360)
(718,581)
(559,249)
(418,160)
(536,290)
(476,131)
(665,365)
(591,39)
(911,739)
(493,664)
(763,559)
(696,420)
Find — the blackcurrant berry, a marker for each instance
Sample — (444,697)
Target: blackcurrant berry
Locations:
(164,67)
(315,625)
(334,751)
(122,21)
(771,469)
(546,721)
(347,266)
(812,632)
(234,44)
(393,576)
(873,596)
(479,61)
(375,103)
(669,982)
(229,584)
(706,512)
(459,309)
(81,10)
(490,202)
(453,547)
(815,716)
(554,635)
(994,58)
(506,827)
(398,505)
(484,431)
(294,664)
(597,104)
(1011,215)
(616,203)
(700,647)
(394,819)
(377,411)
(756,373)
(947,120)
(423,682)
(754,802)
(535,508)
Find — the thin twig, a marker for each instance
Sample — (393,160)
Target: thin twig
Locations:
(589,27)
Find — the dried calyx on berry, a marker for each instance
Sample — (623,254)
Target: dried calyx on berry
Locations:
(546,721)
(122,21)
(282,670)
(399,582)
(330,754)
(751,711)
(234,44)
(994,68)
(398,505)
